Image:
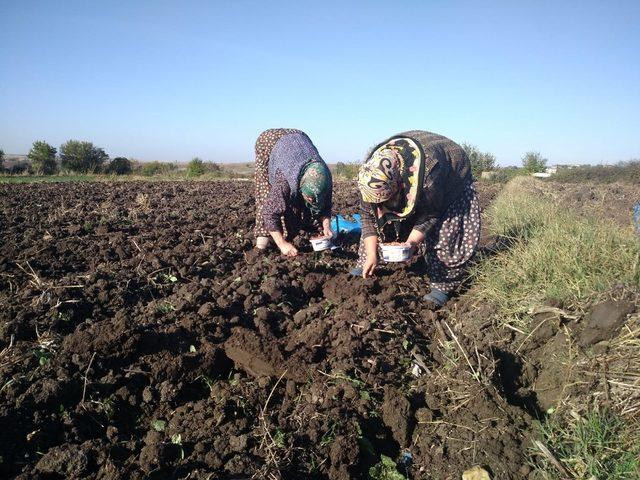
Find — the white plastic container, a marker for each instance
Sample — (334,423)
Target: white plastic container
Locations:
(396,253)
(321,243)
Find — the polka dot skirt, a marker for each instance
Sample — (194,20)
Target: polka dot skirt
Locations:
(451,243)
(454,241)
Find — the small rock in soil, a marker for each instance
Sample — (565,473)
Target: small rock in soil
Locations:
(476,473)
(147,394)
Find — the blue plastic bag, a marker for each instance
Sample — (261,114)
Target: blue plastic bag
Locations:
(636,217)
(339,224)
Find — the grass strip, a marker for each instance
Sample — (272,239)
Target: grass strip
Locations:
(553,254)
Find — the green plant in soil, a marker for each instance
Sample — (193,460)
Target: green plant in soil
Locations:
(385,470)
(452,355)
(553,255)
(43,356)
(176,439)
(63,316)
(165,307)
(356,382)
(167,278)
(208,381)
(329,435)
(158,425)
(599,445)
(328,307)
(280,438)
(106,407)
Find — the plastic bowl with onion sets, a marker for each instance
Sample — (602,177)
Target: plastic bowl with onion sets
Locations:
(396,252)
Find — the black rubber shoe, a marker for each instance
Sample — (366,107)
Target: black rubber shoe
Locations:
(436,296)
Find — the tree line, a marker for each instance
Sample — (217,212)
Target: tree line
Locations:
(74,156)
(84,157)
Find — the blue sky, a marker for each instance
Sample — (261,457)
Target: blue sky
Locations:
(164,80)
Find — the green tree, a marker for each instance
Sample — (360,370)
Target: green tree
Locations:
(120,166)
(1,159)
(82,157)
(43,158)
(480,162)
(195,168)
(533,162)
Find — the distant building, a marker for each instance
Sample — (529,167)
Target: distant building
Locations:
(553,169)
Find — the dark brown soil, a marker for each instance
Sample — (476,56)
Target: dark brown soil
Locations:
(143,337)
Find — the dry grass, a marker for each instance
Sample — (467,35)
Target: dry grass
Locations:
(554,255)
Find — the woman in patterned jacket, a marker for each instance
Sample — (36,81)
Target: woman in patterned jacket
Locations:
(417,187)
(293,189)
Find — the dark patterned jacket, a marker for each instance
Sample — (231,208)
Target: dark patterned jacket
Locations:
(447,172)
(288,157)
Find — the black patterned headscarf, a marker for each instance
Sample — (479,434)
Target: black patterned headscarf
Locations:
(379,178)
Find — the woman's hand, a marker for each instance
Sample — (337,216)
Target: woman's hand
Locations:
(371,249)
(285,247)
(369,266)
(326,227)
(288,249)
(416,238)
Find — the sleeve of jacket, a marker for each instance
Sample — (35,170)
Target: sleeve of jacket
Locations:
(431,206)
(275,204)
(367,220)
